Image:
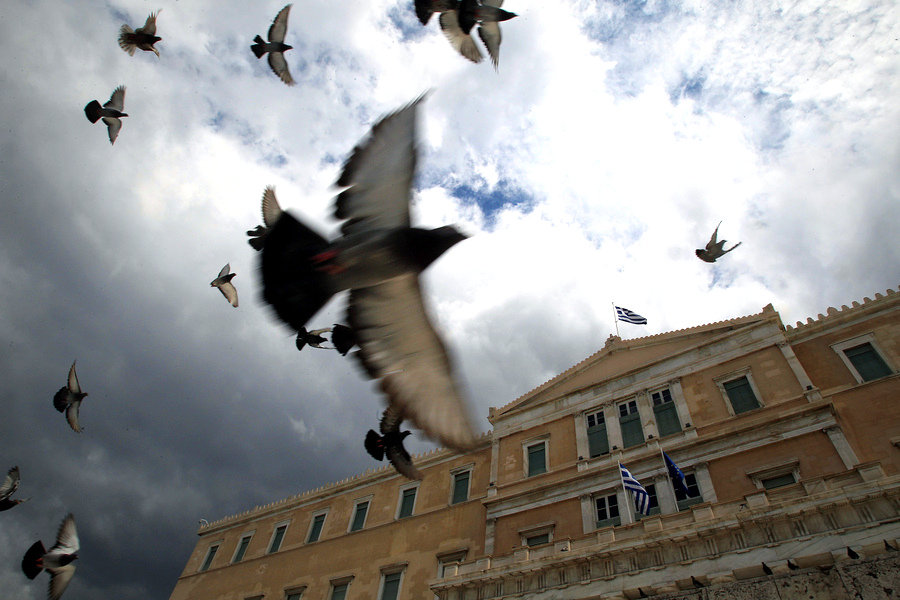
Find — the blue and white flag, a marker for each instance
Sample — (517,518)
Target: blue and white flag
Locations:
(641,497)
(676,476)
(623,314)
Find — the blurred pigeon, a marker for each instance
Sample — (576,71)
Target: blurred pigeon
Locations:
(276,46)
(343,338)
(271,210)
(889,547)
(642,593)
(459,36)
(852,553)
(697,583)
(792,565)
(68,399)
(378,258)
(426,8)
(223,282)
(141,38)
(714,249)
(58,560)
(390,442)
(8,488)
(314,338)
(767,569)
(109,112)
(488,15)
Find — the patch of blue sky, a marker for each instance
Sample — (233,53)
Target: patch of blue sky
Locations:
(691,86)
(774,108)
(618,20)
(404,20)
(492,200)
(123,17)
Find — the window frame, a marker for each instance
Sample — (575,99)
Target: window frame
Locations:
(367,500)
(841,347)
(338,582)
(246,536)
(689,500)
(414,486)
(294,593)
(388,572)
(527,445)
(632,417)
(275,528)
(537,530)
(454,473)
(312,522)
(587,431)
(765,473)
(609,521)
(721,380)
(665,405)
(210,556)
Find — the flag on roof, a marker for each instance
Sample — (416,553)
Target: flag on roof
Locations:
(676,476)
(641,497)
(623,314)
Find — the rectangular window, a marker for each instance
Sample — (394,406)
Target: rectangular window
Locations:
(359,516)
(277,537)
(630,422)
(693,496)
(241,549)
(607,510)
(868,362)
(777,482)
(293,596)
(316,530)
(654,501)
(407,502)
(537,540)
(537,459)
(741,395)
(460,487)
(390,586)
(339,592)
(598,442)
(210,555)
(667,421)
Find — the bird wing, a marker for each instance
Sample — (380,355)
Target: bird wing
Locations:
(224,270)
(279,26)
(379,173)
(150,25)
(424,11)
(461,41)
(74,386)
(59,580)
(271,210)
(497,3)
(67,537)
(10,484)
(117,100)
(402,461)
(712,240)
(489,32)
(319,332)
(390,420)
(113,125)
(126,40)
(399,346)
(230,292)
(72,416)
(280,67)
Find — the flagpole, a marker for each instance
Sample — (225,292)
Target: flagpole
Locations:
(616,321)
(625,491)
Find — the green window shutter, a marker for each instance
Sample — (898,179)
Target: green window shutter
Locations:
(407,501)
(359,517)
(460,487)
(741,395)
(867,362)
(537,459)
(391,588)
(316,529)
(598,441)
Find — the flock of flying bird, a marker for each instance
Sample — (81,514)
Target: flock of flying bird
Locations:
(378,257)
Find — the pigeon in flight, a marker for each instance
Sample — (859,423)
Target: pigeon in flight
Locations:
(487,15)
(271,210)
(141,38)
(314,338)
(343,338)
(68,399)
(714,249)
(276,46)
(459,36)
(111,112)
(58,561)
(378,258)
(390,443)
(426,8)
(8,488)
(223,282)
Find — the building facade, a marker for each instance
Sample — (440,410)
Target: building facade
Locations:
(788,437)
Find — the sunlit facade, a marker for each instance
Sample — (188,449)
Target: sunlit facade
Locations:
(788,436)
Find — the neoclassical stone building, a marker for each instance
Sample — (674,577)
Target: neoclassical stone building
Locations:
(789,438)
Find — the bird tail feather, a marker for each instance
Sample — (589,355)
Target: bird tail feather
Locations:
(293,283)
(343,339)
(259,47)
(373,447)
(59,399)
(92,110)
(31,562)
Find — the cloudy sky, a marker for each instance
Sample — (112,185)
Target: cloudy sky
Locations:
(614,138)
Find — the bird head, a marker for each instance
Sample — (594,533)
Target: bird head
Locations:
(505,15)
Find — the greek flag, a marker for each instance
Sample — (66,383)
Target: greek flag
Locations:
(623,314)
(676,476)
(641,497)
